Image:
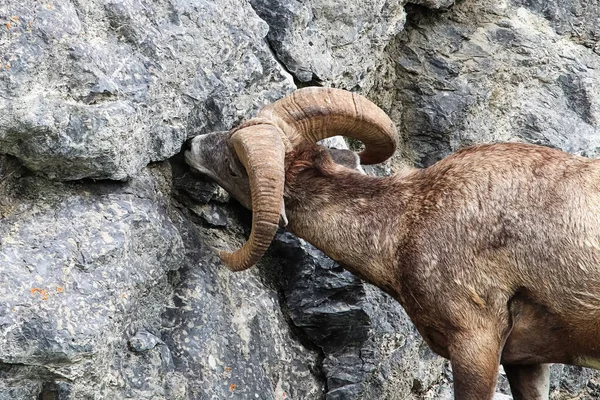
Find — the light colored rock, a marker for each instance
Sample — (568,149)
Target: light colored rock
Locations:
(579,20)
(100,89)
(83,267)
(486,73)
(434,4)
(110,292)
(324,41)
(227,332)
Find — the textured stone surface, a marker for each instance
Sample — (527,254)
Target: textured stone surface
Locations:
(114,290)
(319,40)
(84,266)
(227,331)
(371,350)
(99,89)
(577,19)
(110,291)
(486,72)
(434,4)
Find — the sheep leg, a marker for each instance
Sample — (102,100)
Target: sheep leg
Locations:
(475,359)
(528,382)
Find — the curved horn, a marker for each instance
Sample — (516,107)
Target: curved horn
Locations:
(261,150)
(316,113)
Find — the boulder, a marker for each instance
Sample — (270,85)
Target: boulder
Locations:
(323,41)
(486,72)
(99,89)
(84,269)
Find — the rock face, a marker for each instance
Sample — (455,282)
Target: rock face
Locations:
(577,19)
(320,41)
(109,291)
(226,331)
(84,267)
(486,73)
(100,89)
(370,348)
(112,288)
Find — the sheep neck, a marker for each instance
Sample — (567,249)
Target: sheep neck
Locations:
(356,220)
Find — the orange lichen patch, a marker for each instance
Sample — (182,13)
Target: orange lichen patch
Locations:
(60,289)
(15,18)
(8,25)
(284,395)
(227,369)
(42,292)
(7,66)
(232,387)
(49,6)
(124,296)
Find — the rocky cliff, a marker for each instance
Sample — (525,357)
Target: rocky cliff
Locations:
(110,287)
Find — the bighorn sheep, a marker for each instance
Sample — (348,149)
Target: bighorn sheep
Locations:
(494,251)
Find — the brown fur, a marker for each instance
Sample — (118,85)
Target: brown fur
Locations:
(494,252)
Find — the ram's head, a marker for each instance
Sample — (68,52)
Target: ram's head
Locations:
(250,160)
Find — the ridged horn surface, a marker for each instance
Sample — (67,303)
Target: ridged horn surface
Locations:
(316,113)
(262,152)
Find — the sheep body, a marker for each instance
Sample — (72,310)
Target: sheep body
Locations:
(494,251)
(496,246)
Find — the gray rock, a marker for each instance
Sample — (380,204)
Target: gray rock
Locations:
(323,299)
(371,349)
(577,19)
(100,89)
(144,341)
(227,333)
(192,186)
(434,4)
(83,266)
(319,40)
(214,216)
(485,73)
(577,382)
(11,388)
(111,292)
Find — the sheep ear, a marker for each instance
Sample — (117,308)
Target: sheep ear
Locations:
(283,221)
(347,158)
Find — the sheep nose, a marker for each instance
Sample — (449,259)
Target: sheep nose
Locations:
(187,145)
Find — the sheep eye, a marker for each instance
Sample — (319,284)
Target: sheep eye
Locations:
(231,171)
